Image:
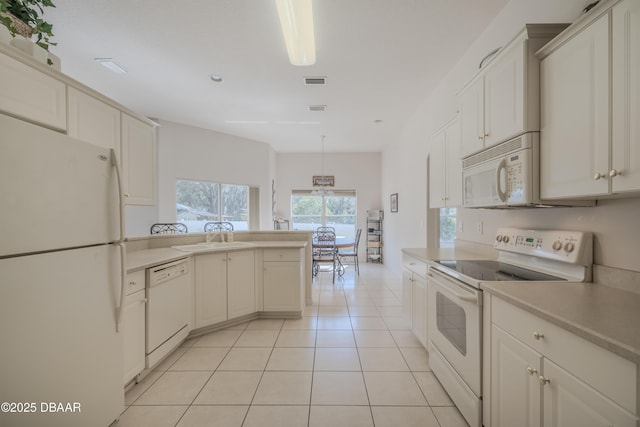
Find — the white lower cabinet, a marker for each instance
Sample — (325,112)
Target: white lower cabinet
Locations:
(283,280)
(543,375)
(132,325)
(225,286)
(241,283)
(515,388)
(414,296)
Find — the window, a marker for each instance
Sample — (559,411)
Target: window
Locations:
(447,227)
(198,202)
(310,211)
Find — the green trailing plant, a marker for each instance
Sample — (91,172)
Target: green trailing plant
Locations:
(30,12)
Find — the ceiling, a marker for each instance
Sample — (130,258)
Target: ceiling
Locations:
(381,59)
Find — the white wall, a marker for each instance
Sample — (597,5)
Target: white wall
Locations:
(403,170)
(352,171)
(187,152)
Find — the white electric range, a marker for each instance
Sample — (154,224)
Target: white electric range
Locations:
(455,301)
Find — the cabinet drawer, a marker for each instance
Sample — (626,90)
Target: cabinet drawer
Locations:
(610,374)
(32,95)
(414,265)
(135,282)
(281,255)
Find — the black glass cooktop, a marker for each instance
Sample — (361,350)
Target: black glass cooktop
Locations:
(494,271)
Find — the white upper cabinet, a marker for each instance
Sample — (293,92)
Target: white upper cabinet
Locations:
(445,167)
(138,161)
(590,104)
(625,131)
(32,95)
(502,101)
(92,120)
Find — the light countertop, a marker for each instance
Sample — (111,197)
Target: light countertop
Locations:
(145,258)
(604,315)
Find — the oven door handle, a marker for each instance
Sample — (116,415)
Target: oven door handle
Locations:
(470,296)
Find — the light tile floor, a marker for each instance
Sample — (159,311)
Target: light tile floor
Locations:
(350,361)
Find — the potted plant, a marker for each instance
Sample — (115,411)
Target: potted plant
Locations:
(14,13)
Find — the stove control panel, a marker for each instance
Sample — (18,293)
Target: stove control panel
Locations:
(575,247)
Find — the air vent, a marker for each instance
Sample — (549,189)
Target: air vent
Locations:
(317,107)
(315,81)
(497,151)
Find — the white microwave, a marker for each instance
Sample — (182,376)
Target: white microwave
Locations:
(503,176)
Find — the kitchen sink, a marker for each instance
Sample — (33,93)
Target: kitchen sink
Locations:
(211,246)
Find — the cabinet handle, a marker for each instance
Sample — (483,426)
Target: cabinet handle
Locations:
(486,135)
(614,173)
(480,137)
(538,335)
(531,371)
(598,175)
(543,380)
(132,283)
(146,300)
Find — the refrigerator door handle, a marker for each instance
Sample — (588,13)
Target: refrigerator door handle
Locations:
(114,162)
(123,278)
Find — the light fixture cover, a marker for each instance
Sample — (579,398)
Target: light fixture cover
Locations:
(296,20)
(111,64)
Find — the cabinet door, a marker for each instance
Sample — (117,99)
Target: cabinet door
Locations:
(132,326)
(211,289)
(407,296)
(570,402)
(626,96)
(503,96)
(282,286)
(437,172)
(138,161)
(574,140)
(241,287)
(515,388)
(419,309)
(29,94)
(93,121)
(471,120)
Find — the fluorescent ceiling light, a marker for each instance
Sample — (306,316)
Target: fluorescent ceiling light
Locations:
(111,65)
(247,122)
(296,19)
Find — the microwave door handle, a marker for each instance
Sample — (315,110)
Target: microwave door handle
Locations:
(501,194)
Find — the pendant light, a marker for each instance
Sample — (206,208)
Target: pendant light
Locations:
(322,190)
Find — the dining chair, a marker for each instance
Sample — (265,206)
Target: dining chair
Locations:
(218,226)
(353,252)
(324,251)
(332,229)
(169,228)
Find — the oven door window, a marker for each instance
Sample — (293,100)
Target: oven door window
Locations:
(452,322)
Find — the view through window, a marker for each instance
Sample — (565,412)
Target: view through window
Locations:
(310,211)
(447,227)
(198,202)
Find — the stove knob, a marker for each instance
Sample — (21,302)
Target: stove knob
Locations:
(557,245)
(569,247)
(499,238)
(505,239)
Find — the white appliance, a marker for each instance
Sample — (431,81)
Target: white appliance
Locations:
(168,308)
(504,175)
(455,301)
(61,258)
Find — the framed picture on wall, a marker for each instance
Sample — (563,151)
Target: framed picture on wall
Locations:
(324,180)
(394,202)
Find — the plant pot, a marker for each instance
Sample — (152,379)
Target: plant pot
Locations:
(21,28)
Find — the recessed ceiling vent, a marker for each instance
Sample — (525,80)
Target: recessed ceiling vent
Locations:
(314,81)
(317,107)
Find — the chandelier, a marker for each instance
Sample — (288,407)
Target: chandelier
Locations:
(320,185)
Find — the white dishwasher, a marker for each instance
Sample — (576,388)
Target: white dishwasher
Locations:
(168,308)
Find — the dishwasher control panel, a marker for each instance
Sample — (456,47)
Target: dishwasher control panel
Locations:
(165,272)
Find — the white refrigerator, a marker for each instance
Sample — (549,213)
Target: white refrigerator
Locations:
(61,261)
